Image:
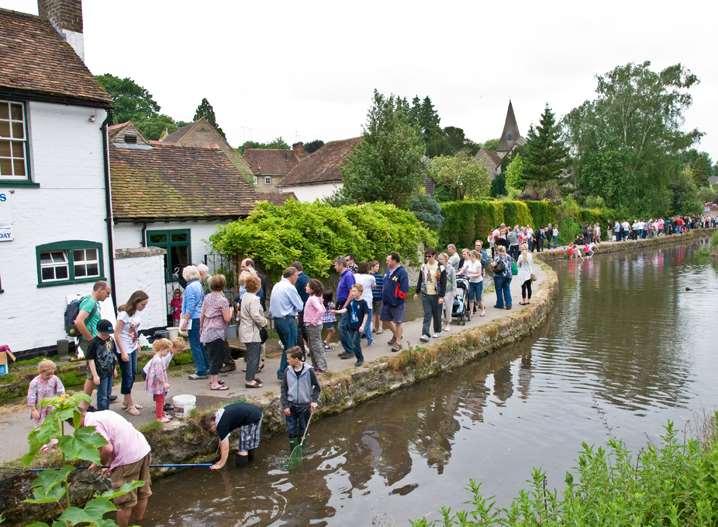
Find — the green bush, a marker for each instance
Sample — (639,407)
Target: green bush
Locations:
(671,484)
(542,212)
(516,213)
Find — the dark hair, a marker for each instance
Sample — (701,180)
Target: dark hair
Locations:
(206,422)
(295,352)
(373,263)
(298,266)
(130,307)
(395,257)
(363,268)
(100,285)
(328,296)
(316,287)
(289,271)
(350,255)
(430,252)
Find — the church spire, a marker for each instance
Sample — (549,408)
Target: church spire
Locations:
(511,136)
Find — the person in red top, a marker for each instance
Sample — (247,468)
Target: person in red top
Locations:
(176,307)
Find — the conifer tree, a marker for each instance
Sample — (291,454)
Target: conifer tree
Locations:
(205,110)
(544,154)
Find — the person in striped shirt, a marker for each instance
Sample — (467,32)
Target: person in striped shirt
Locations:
(376,292)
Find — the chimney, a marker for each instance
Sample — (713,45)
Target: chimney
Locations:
(298,149)
(66,17)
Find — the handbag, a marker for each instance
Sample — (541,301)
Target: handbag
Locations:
(514,268)
(263,334)
(499,267)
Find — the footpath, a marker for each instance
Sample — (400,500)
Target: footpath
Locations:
(15,422)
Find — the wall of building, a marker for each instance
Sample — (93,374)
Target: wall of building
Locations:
(262,186)
(312,192)
(143,269)
(66,159)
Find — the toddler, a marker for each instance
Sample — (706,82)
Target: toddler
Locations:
(329,320)
(45,386)
(157,382)
(176,307)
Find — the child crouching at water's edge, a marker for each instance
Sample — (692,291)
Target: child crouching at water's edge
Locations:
(300,395)
(45,386)
(157,382)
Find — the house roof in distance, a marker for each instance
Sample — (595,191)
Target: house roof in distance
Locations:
(322,166)
(276,198)
(270,161)
(35,59)
(159,181)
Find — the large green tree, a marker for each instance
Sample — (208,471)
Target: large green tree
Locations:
(462,175)
(544,155)
(206,110)
(387,165)
(627,142)
(458,142)
(423,114)
(515,174)
(700,164)
(276,144)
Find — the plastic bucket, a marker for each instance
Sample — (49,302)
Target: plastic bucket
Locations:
(173,333)
(184,404)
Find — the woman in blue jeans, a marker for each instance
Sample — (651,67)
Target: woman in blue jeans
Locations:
(127,333)
(191,310)
(502,278)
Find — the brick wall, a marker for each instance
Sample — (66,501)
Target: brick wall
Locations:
(66,14)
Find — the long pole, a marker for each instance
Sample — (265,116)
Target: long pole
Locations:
(154,465)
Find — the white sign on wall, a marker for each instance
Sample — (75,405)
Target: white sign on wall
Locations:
(6,233)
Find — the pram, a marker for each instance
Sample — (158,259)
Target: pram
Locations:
(460,310)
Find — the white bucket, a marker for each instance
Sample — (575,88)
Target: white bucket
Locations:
(173,332)
(184,404)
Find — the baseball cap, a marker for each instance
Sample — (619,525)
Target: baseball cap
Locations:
(105,326)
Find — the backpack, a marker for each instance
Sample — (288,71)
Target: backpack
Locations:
(105,359)
(71,312)
(484,258)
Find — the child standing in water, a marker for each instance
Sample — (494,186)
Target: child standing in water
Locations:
(44,386)
(157,382)
(300,395)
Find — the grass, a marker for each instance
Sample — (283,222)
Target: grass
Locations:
(72,378)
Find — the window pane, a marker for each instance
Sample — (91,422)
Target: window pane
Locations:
(18,131)
(5,167)
(16,111)
(48,273)
(80,271)
(4,129)
(93,270)
(179,236)
(45,258)
(19,167)
(61,272)
(4,111)
(157,238)
(91,255)
(4,147)
(58,256)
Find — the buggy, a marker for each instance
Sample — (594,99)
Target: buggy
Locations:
(460,310)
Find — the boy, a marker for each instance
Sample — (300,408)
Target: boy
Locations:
(101,362)
(300,394)
(356,310)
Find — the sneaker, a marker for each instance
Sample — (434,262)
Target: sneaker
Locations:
(425,338)
(436,335)
(327,347)
(447,329)
(395,348)
(113,398)
(196,377)
(358,363)
(345,355)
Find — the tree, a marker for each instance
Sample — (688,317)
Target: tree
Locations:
(387,164)
(515,174)
(462,175)
(544,154)
(205,110)
(700,164)
(423,114)
(427,209)
(627,142)
(498,185)
(491,144)
(276,144)
(458,142)
(313,146)
(684,194)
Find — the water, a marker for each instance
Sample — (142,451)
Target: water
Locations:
(627,348)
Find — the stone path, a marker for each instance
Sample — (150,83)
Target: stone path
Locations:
(15,423)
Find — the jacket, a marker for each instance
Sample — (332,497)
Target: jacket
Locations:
(357,310)
(396,286)
(301,387)
(423,278)
(251,318)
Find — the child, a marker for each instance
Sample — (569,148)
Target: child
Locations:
(157,382)
(176,305)
(44,386)
(357,309)
(313,320)
(300,394)
(101,362)
(330,320)
(376,292)
(5,353)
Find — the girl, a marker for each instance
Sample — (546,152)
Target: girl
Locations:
(127,333)
(450,292)
(157,382)
(176,307)
(329,320)
(473,270)
(44,386)
(526,271)
(313,316)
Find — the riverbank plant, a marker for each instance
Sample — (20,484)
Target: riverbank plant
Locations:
(673,483)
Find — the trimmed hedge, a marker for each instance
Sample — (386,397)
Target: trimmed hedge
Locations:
(543,212)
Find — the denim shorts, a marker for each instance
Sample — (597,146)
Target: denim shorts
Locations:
(476,289)
(392,313)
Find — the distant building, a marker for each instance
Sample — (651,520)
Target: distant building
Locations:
(510,139)
(270,166)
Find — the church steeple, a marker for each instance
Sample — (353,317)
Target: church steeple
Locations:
(511,136)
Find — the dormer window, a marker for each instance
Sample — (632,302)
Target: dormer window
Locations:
(131,139)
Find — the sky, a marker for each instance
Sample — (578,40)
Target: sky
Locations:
(307,70)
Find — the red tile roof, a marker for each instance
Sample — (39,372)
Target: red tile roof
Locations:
(270,161)
(172,182)
(322,166)
(178,134)
(276,198)
(35,58)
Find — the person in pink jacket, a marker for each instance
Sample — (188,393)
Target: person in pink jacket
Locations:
(313,322)
(157,382)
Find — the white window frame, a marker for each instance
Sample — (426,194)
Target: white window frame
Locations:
(55,264)
(14,142)
(267,180)
(84,262)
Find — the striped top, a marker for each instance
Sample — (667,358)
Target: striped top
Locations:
(377,289)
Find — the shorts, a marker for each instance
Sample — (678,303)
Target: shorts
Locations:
(392,313)
(330,325)
(376,306)
(476,289)
(139,470)
(250,436)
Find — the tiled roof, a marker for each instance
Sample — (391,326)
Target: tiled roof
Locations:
(178,134)
(276,198)
(270,161)
(172,182)
(35,58)
(322,166)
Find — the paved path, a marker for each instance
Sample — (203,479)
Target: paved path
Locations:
(15,423)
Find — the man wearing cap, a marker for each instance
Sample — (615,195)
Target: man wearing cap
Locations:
(101,363)
(346,281)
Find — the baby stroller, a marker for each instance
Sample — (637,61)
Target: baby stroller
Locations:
(460,310)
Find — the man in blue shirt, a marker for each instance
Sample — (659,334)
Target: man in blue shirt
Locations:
(301,285)
(396,288)
(346,281)
(284,304)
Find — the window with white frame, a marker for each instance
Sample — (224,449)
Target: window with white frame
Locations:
(256,181)
(267,180)
(54,266)
(13,141)
(86,263)
(69,262)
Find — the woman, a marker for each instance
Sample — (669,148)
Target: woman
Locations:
(450,289)
(127,334)
(191,310)
(473,270)
(502,278)
(368,282)
(526,271)
(251,320)
(214,317)
(432,286)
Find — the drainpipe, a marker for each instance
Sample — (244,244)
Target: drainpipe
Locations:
(108,201)
(144,234)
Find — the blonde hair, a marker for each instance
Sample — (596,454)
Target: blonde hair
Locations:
(358,287)
(46,364)
(190,273)
(161,344)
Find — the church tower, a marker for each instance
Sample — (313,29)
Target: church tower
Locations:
(510,137)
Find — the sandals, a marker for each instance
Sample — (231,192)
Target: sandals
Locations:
(132,410)
(164,419)
(219,388)
(253,384)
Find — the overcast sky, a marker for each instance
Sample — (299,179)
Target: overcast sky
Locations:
(306,70)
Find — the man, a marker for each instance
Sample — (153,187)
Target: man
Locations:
(204,277)
(86,323)
(346,281)
(243,416)
(454,258)
(351,264)
(284,304)
(396,288)
(127,454)
(301,285)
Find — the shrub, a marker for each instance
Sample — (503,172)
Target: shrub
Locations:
(542,212)
(516,213)
(427,209)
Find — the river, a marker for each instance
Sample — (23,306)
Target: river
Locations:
(630,345)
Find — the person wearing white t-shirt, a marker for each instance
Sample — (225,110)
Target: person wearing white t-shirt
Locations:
(368,282)
(127,334)
(473,272)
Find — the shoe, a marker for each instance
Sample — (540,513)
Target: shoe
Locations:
(508,307)
(436,335)
(395,348)
(392,341)
(132,411)
(168,407)
(369,342)
(380,332)
(164,419)
(425,338)
(252,384)
(358,363)
(241,461)
(196,377)
(327,347)
(346,355)
(227,368)
(113,398)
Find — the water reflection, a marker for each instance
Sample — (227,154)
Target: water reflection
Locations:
(626,348)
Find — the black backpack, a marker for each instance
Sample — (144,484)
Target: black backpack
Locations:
(71,312)
(105,358)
